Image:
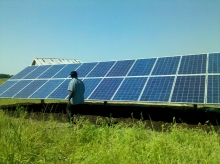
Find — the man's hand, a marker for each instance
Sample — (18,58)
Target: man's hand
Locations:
(68,103)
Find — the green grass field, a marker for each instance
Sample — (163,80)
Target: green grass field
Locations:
(47,142)
(27,141)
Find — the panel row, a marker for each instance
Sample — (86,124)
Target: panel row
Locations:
(190,64)
(180,89)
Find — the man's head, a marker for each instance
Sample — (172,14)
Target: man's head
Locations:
(73,74)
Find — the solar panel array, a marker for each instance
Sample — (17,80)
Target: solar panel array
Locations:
(178,79)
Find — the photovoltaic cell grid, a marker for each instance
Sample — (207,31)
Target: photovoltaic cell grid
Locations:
(130,89)
(24,72)
(213,92)
(158,89)
(180,79)
(106,89)
(189,89)
(214,63)
(193,64)
(166,66)
(90,85)
(37,72)
(142,67)
(46,89)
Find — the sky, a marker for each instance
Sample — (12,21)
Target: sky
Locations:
(105,30)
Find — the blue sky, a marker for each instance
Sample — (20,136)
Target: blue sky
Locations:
(103,30)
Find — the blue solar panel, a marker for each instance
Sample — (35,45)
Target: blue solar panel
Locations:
(101,69)
(24,72)
(64,73)
(189,89)
(106,89)
(193,64)
(38,71)
(61,92)
(142,67)
(16,88)
(46,89)
(51,71)
(130,89)
(90,85)
(121,68)
(6,86)
(213,92)
(214,63)
(158,89)
(30,89)
(166,66)
(85,68)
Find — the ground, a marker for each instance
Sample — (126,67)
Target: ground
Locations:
(154,116)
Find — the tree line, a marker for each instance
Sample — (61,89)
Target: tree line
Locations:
(5,76)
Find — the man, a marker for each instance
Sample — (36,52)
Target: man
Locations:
(76,90)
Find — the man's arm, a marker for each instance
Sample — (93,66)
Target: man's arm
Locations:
(70,96)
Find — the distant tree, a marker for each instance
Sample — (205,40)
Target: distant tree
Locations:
(5,76)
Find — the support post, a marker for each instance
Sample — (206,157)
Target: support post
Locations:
(42,101)
(195,106)
(105,103)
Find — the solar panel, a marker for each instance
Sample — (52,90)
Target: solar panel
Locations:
(214,63)
(46,89)
(64,73)
(6,86)
(24,72)
(106,89)
(213,92)
(101,69)
(120,68)
(51,71)
(166,66)
(16,88)
(85,68)
(29,89)
(130,89)
(193,64)
(158,89)
(90,85)
(142,67)
(189,89)
(37,72)
(178,79)
(61,91)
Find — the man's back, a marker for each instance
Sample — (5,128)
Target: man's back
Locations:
(78,89)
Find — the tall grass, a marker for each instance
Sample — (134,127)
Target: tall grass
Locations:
(28,141)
